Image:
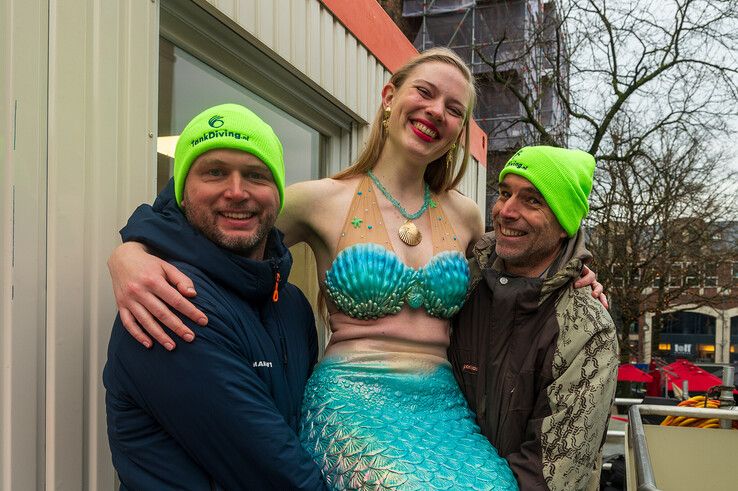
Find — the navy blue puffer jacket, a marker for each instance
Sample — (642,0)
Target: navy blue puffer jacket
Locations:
(223,411)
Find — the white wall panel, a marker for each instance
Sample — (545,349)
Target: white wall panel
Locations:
(23,110)
(97,170)
(362,82)
(327,58)
(482,189)
(339,64)
(370,98)
(473,184)
(124,40)
(282,29)
(246,15)
(78,97)
(314,48)
(351,73)
(381,77)
(228,7)
(68,58)
(298,34)
(265,25)
(310,40)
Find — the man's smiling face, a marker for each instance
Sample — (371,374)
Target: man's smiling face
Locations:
(528,235)
(231,198)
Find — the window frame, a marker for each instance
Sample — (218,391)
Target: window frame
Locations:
(710,279)
(227,48)
(691,275)
(676,275)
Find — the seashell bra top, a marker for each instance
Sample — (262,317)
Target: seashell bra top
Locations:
(368,281)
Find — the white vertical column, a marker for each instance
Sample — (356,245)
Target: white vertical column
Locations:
(482,190)
(728,315)
(68,88)
(722,337)
(101,162)
(23,113)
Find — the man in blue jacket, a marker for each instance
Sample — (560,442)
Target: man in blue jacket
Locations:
(221,413)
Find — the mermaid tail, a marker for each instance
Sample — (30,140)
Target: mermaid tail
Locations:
(383,421)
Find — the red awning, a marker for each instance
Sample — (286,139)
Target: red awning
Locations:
(629,373)
(698,380)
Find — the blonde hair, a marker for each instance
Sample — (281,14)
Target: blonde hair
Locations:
(439,177)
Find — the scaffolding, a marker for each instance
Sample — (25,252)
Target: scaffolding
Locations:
(502,44)
(472,26)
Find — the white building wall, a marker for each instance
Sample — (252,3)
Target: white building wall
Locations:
(23,41)
(102,96)
(78,106)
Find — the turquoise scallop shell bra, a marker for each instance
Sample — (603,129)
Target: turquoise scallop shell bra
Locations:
(367,280)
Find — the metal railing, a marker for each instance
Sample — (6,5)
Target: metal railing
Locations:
(645,479)
(619,435)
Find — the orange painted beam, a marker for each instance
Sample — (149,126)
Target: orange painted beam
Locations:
(371,25)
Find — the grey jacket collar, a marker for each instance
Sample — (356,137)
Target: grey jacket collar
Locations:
(566,267)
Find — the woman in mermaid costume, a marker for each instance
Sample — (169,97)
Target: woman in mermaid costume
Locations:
(382,409)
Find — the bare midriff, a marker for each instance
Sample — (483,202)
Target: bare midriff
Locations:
(408,331)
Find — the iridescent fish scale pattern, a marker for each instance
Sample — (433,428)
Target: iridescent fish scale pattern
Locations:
(396,425)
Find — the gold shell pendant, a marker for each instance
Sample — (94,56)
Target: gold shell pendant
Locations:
(410,234)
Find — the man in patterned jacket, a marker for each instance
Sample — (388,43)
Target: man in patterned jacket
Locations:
(536,358)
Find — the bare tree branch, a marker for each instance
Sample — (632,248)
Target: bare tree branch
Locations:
(647,88)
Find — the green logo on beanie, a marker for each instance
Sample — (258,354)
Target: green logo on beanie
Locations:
(209,135)
(519,165)
(216,121)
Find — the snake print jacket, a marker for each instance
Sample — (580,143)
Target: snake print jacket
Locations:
(537,361)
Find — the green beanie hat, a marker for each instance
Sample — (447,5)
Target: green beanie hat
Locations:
(227,126)
(563,177)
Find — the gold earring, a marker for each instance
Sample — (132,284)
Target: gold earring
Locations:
(451,158)
(385,117)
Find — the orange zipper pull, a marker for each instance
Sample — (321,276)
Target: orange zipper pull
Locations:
(275,295)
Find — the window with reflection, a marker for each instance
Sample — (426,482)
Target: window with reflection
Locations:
(187,86)
(689,323)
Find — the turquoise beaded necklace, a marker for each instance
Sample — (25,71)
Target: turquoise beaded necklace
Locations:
(396,204)
(408,232)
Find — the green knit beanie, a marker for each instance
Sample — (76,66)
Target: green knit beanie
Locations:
(227,126)
(563,177)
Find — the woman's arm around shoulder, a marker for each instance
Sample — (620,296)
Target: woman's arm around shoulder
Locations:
(311,209)
(145,289)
